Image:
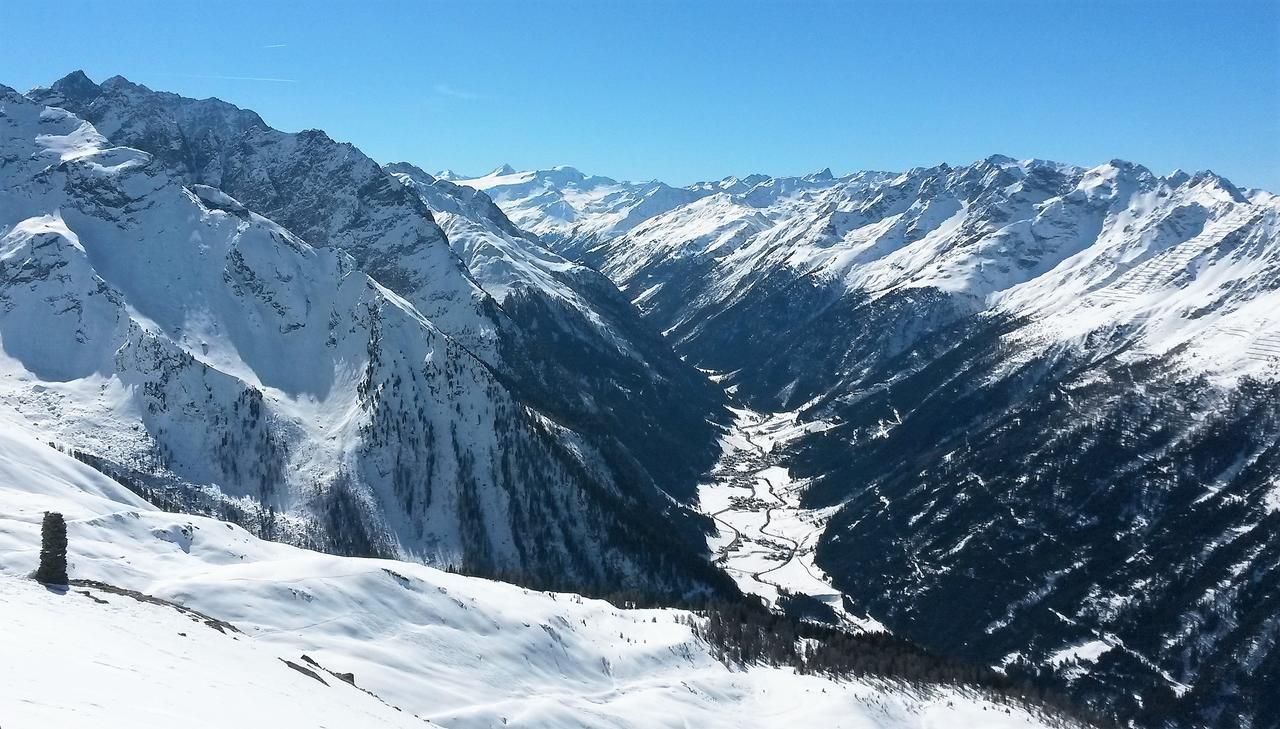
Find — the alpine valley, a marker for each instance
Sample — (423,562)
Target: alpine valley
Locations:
(1018,421)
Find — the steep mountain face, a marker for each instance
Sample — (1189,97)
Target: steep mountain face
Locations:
(1114,518)
(576,349)
(179,340)
(1042,398)
(558,335)
(327,193)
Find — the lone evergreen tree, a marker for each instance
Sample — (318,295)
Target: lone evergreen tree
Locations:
(53,550)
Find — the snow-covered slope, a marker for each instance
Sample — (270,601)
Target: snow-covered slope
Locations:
(368,642)
(1058,382)
(91,657)
(224,365)
(327,193)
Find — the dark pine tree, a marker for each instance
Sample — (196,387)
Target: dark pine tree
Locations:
(53,550)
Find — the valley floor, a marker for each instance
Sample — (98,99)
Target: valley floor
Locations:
(766,539)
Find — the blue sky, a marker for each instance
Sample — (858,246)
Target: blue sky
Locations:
(697,90)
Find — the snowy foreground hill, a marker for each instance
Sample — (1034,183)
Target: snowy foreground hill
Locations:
(242,632)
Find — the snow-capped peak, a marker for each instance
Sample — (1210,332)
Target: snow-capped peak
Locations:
(75,84)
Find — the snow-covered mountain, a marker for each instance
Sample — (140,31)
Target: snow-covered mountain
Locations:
(325,192)
(1077,249)
(574,347)
(193,621)
(559,336)
(222,364)
(1014,411)
(1037,404)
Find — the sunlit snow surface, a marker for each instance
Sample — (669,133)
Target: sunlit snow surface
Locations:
(457,651)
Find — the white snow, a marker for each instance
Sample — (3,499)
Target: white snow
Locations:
(1272,498)
(1088,651)
(90,658)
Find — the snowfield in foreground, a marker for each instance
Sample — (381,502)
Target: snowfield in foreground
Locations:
(454,651)
(93,658)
